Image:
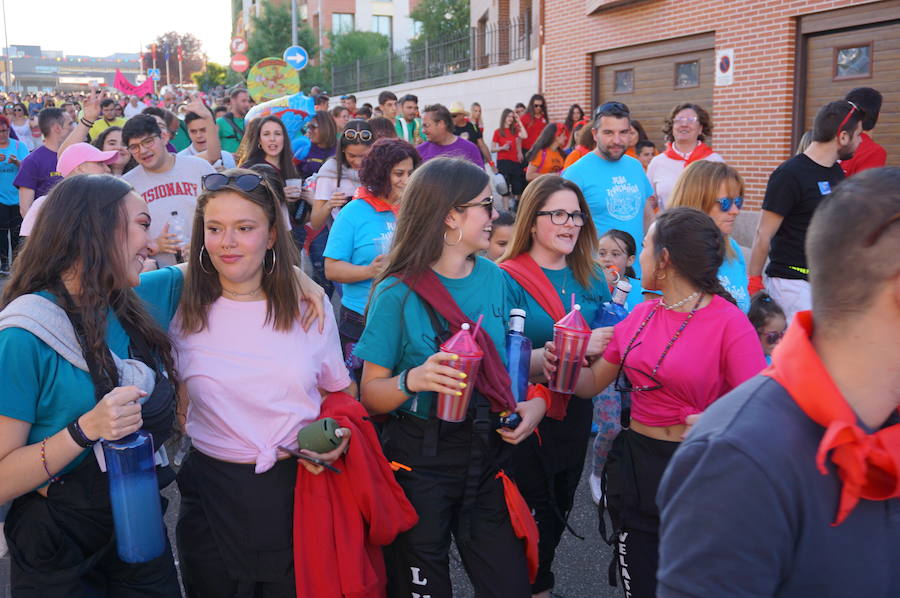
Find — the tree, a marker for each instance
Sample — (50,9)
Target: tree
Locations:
(215,74)
(271,34)
(441,18)
(169,42)
(378,64)
(349,47)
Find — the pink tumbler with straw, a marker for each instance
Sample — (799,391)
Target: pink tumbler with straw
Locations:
(570,335)
(452,408)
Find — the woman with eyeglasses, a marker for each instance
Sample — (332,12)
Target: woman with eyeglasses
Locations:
(238,338)
(686,128)
(361,235)
(335,183)
(550,258)
(322,133)
(717,190)
(545,156)
(676,355)
(21,124)
(433,283)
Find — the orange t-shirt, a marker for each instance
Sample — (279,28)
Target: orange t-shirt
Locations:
(576,154)
(548,162)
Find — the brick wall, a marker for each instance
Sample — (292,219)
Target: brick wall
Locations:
(752,116)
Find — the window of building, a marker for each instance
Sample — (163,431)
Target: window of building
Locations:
(854,62)
(341,22)
(687,74)
(383,25)
(624,81)
(415,28)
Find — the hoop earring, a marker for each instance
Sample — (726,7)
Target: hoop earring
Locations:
(458,240)
(272,269)
(200,259)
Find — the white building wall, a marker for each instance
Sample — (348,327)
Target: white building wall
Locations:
(398,10)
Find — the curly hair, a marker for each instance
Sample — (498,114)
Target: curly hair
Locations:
(375,172)
(703,118)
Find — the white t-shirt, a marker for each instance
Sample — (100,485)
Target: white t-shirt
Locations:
(226,161)
(133,110)
(175,190)
(663,173)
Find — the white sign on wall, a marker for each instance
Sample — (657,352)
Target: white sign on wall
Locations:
(725,67)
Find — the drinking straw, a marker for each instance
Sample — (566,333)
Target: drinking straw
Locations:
(478,325)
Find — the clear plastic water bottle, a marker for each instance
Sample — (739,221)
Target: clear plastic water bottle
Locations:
(518,354)
(134,494)
(177,228)
(613,311)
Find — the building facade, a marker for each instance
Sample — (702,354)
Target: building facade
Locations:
(34,69)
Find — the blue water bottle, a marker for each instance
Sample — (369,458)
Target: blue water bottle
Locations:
(518,355)
(134,494)
(612,312)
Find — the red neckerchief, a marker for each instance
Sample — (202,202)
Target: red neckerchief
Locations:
(378,204)
(868,464)
(701,151)
(493,379)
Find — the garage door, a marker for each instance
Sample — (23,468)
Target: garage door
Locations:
(863,57)
(652,79)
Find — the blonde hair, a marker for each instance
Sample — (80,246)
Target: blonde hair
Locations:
(698,188)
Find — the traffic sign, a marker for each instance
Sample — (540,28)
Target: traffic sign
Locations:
(240,63)
(296,56)
(238,45)
(153,74)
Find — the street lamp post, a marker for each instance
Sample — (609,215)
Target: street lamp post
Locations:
(6,44)
(293,22)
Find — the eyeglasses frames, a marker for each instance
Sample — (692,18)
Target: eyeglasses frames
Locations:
(146,143)
(561,217)
(216,181)
(725,203)
(487,203)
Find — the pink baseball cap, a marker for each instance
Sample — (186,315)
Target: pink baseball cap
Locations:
(79,153)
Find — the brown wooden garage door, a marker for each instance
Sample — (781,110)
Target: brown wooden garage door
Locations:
(864,57)
(659,76)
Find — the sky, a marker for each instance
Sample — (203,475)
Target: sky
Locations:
(101,28)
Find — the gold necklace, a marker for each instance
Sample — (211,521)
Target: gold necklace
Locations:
(252,293)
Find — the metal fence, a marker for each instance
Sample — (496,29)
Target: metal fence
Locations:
(476,48)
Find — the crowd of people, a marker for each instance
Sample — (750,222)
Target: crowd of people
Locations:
(171,267)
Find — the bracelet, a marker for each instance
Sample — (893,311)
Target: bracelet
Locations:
(50,476)
(87,123)
(401,383)
(78,435)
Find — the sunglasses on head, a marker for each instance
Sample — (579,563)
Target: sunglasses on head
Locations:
(362,135)
(853,108)
(726,202)
(611,106)
(217,181)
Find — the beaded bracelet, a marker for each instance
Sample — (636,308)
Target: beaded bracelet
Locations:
(50,476)
(87,123)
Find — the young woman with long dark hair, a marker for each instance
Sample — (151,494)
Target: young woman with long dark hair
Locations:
(507,142)
(111,140)
(574,116)
(545,156)
(432,284)
(676,355)
(551,258)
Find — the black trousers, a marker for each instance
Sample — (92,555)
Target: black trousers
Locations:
(350,328)
(64,545)
(418,562)
(632,474)
(234,529)
(547,473)
(10,223)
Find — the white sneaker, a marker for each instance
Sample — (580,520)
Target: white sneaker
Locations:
(4,549)
(596,492)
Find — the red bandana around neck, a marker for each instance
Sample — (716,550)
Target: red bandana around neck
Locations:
(379,204)
(868,464)
(701,151)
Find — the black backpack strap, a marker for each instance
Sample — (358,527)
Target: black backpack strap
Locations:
(433,425)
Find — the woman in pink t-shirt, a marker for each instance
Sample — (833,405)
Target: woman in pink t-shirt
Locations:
(251,378)
(676,356)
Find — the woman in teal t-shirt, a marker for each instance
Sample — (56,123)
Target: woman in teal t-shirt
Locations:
(552,248)
(448,470)
(84,256)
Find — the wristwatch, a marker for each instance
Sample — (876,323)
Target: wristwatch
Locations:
(78,435)
(401,383)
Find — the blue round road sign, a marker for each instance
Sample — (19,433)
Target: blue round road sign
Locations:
(296,56)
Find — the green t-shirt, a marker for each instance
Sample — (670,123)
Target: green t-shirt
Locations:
(229,136)
(399,334)
(539,324)
(48,392)
(181,139)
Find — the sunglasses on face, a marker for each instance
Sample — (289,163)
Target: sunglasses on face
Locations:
(487,203)
(561,217)
(772,338)
(217,181)
(362,135)
(726,202)
(144,143)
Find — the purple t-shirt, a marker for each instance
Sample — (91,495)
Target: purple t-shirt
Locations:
(38,171)
(458,149)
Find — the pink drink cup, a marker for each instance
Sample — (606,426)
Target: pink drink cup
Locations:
(452,408)
(571,347)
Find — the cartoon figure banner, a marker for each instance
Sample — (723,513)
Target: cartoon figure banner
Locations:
(271,78)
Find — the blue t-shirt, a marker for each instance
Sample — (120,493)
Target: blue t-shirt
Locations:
(399,334)
(733,276)
(356,237)
(48,392)
(616,193)
(743,496)
(9,195)
(636,295)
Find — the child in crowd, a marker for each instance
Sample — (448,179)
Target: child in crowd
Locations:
(500,235)
(768,319)
(645,150)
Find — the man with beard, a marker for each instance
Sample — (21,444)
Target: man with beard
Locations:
(614,185)
(795,190)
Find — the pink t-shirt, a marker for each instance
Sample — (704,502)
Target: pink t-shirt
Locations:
(251,387)
(717,351)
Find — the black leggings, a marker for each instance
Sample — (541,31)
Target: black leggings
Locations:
(10,223)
